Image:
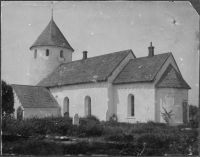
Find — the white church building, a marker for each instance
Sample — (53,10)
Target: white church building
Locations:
(117,84)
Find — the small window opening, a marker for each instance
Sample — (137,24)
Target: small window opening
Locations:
(66,107)
(61,53)
(47,52)
(131,105)
(35,54)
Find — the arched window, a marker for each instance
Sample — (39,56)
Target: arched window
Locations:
(87,106)
(131,105)
(61,53)
(35,54)
(47,52)
(66,107)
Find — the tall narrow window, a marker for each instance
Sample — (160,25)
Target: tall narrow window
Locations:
(61,53)
(66,107)
(47,52)
(87,106)
(131,106)
(35,54)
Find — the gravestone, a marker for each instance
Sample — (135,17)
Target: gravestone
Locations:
(76,119)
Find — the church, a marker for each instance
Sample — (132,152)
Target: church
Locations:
(116,85)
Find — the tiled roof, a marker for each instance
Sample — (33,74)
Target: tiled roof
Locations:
(52,36)
(172,79)
(94,69)
(142,69)
(35,97)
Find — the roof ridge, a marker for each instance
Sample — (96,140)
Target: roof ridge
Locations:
(51,27)
(96,56)
(162,64)
(117,66)
(27,85)
(154,55)
(122,70)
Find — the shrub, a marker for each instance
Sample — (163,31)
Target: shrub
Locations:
(90,126)
(89,119)
(78,148)
(32,147)
(124,138)
(91,129)
(33,126)
(93,118)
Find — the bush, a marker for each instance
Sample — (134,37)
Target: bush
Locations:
(88,119)
(121,138)
(133,139)
(78,148)
(32,147)
(37,126)
(91,129)
(171,141)
(90,126)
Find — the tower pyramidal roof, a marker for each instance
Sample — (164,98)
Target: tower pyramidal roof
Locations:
(52,36)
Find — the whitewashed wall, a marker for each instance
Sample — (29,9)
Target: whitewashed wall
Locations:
(98,93)
(144,94)
(171,99)
(101,95)
(41,112)
(17,104)
(43,65)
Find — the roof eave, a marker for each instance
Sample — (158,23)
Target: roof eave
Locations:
(40,107)
(55,86)
(52,46)
(147,81)
(173,87)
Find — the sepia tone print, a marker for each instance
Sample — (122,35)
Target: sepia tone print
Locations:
(99,78)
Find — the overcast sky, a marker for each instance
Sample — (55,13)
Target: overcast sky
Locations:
(101,28)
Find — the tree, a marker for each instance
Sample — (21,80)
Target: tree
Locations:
(7,98)
(193,111)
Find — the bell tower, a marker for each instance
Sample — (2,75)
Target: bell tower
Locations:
(49,51)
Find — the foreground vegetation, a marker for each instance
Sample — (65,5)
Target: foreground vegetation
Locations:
(95,137)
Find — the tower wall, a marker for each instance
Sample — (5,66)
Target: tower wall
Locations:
(43,65)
